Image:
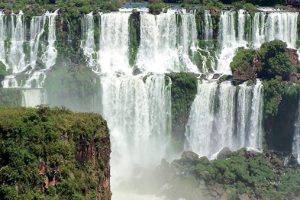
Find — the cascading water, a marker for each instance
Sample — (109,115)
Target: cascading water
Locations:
(33,97)
(139,135)
(114,37)
(138,107)
(296,142)
(219,120)
(130,104)
(275,25)
(208,26)
(229,40)
(264,27)
(14,56)
(160,50)
(88,41)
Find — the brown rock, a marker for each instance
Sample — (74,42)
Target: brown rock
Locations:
(293,55)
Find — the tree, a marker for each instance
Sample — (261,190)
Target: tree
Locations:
(275,60)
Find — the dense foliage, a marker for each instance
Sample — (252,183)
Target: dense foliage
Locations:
(271,60)
(183,92)
(83,6)
(275,60)
(273,64)
(259,176)
(243,59)
(257,2)
(156,6)
(245,63)
(29,137)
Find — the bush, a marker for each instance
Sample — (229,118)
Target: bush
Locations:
(275,60)
(250,7)
(243,59)
(156,6)
(212,4)
(183,92)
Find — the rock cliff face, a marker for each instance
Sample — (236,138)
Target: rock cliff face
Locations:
(53,154)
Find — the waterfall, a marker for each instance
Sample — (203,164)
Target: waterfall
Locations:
(24,51)
(208,26)
(50,55)
(219,119)
(37,25)
(88,41)
(114,43)
(275,25)
(17,56)
(165,46)
(296,142)
(264,27)
(139,134)
(229,40)
(33,97)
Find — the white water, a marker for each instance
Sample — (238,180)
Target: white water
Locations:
(139,111)
(296,142)
(264,27)
(33,97)
(21,61)
(88,40)
(139,134)
(208,26)
(229,40)
(113,53)
(160,50)
(217,120)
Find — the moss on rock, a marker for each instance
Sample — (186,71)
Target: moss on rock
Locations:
(183,92)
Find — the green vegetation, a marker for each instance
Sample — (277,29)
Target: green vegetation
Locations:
(52,154)
(244,62)
(156,6)
(256,2)
(275,60)
(72,6)
(271,60)
(259,176)
(183,92)
(134,37)
(273,64)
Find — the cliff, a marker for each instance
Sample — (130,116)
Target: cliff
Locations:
(53,154)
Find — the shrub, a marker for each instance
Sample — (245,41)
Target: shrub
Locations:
(156,6)
(275,60)
(243,59)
